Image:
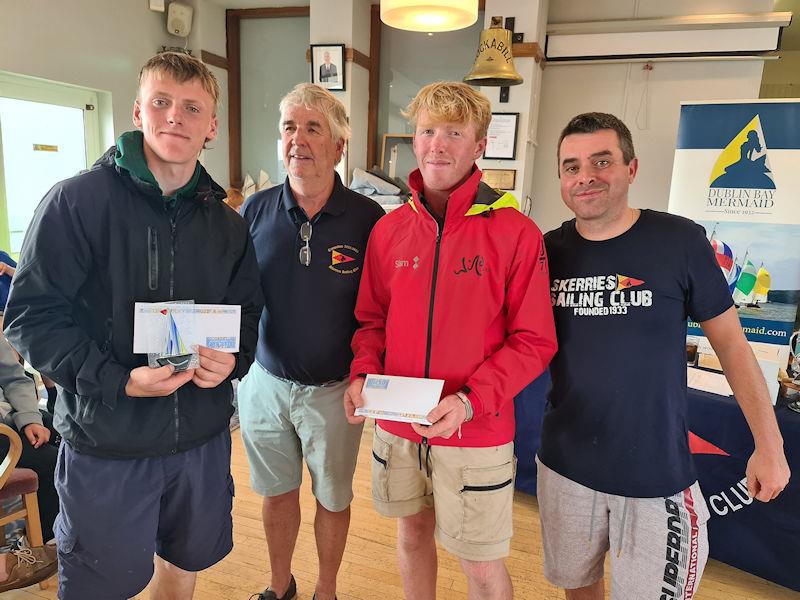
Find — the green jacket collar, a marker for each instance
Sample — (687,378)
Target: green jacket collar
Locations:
(130,157)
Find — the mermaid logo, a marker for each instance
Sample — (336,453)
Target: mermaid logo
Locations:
(744,162)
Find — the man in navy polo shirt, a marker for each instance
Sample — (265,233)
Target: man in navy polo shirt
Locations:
(310,236)
(615,471)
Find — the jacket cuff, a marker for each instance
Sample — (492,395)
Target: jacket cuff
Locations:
(478,409)
(23,419)
(362,367)
(115,379)
(237,368)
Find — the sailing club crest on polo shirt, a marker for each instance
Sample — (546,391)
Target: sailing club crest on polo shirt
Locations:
(344,259)
(601,295)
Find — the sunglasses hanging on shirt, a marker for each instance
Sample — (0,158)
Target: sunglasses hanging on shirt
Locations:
(305,236)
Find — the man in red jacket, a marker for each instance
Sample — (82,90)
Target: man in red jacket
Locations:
(455,287)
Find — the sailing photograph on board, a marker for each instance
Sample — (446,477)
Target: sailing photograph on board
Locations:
(763,275)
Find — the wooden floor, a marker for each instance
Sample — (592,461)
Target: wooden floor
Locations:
(369,570)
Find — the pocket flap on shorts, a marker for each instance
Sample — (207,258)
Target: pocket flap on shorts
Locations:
(381,451)
(488,479)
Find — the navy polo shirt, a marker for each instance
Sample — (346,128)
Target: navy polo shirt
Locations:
(308,321)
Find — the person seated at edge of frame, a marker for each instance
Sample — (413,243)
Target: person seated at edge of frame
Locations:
(19,409)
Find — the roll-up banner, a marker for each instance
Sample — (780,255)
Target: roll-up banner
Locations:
(737,173)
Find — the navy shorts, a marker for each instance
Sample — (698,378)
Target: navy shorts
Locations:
(115,514)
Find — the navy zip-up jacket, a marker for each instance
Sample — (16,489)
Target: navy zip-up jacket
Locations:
(98,243)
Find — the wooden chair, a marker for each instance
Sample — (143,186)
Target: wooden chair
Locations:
(20,482)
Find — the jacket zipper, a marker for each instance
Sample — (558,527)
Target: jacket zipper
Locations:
(430,308)
(174,233)
(152,257)
(429,341)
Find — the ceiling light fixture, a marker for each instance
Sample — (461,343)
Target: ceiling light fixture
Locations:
(429,15)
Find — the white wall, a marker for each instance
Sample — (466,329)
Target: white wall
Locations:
(100,44)
(347,22)
(523,98)
(648,105)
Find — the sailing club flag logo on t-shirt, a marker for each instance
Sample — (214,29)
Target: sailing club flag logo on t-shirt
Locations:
(624,282)
(343,258)
(600,295)
(338,258)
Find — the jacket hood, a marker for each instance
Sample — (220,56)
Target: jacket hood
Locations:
(207,189)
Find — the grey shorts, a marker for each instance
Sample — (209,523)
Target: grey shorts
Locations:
(284,422)
(658,546)
(471,490)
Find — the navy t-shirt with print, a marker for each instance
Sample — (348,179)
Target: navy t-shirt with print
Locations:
(616,419)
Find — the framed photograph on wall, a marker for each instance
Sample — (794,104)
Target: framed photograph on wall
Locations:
(397,155)
(327,66)
(500,179)
(501,139)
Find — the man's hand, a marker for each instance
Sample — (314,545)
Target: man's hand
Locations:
(767,474)
(37,435)
(446,418)
(145,382)
(215,366)
(6,269)
(353,400)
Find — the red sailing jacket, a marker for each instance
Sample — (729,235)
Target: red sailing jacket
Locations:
(469,304)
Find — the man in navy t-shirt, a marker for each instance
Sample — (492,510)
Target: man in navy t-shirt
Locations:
(615,471)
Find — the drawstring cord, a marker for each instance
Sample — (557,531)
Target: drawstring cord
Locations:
(591,519)
(427,456)
(622,526)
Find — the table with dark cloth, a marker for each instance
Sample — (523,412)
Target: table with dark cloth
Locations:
(763,539)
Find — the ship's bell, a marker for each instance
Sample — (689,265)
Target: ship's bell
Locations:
(494,63)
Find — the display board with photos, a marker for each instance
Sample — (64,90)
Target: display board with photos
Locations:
(735,173)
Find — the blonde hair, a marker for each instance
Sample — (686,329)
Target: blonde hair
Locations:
(182,68)
(454,102)
(314,97)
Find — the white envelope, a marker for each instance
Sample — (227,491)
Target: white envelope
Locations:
(212,325)
(395,398)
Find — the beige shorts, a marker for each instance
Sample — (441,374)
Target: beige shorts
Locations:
(471,490)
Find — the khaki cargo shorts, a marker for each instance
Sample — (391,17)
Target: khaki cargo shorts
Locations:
(471,490)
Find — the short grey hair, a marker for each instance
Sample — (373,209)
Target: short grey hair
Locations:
(315,97)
